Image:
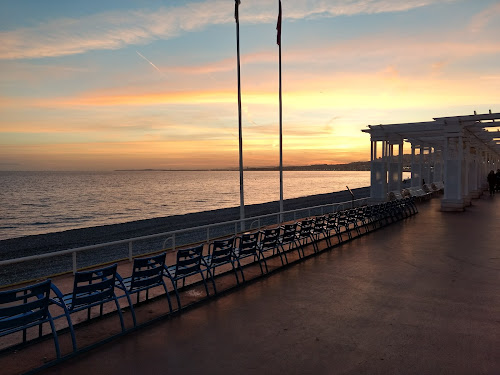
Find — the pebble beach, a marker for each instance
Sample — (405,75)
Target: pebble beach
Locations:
(53,242)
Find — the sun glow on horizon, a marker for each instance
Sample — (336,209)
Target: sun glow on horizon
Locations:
(91,87)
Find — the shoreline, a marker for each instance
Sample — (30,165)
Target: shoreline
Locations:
(73,238)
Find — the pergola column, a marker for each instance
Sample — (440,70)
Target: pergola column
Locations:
(484,170)
(474,187)
(437,175)
(395,166)
(416,166)
(378,171)
(454,169)
(466,166)
(426,169)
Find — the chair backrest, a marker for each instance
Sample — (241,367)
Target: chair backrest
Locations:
(221,251)
(332,221)
(289,233)
(147,272)
(269,238)
(94,286)
(247,244)
(305,227)
(188,261)
(24,307)
(319,223)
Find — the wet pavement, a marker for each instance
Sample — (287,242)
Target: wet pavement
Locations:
(420,296)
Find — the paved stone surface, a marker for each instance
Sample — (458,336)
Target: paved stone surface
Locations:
(421,296)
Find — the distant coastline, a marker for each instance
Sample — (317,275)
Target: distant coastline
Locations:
(355,166)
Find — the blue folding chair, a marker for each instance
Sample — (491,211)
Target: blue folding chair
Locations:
(318,230)
(27,307)
(220,252)
(147,273)
(90,288)
(304,233)
(288,237)
(189,262)
(269,241)
(247,245)
(332,228)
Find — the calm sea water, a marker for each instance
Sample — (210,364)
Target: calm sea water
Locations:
(43,202)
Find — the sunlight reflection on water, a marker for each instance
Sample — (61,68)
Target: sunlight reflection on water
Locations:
(42,202)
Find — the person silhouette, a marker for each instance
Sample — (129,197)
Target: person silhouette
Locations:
(492,179)
(497,175)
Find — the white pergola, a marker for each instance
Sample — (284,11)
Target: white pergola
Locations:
(459,151)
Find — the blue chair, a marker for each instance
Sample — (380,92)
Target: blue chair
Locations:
(90,288)
(220,252)
(189,262)
(269,241)
(27,307)
(247,245)
(318,230)
(288,237)
(147,273)
(332,228)
(304,233)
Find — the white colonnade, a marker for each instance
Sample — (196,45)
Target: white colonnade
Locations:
(458,151)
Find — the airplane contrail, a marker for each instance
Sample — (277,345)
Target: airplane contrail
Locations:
(153,65)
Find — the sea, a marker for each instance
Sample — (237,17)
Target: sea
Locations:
(43,202)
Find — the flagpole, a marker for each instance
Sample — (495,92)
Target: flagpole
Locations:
(278,27)
(242,197)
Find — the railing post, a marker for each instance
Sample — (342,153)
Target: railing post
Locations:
(258,222)
(235,229)
(173,242)
(130,251)
(208,234)
(74,262)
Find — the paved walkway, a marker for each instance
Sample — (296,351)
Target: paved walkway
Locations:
(421,296)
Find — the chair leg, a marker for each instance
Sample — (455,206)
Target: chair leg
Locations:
(119,313)
(235,273)
(206,286)
(256,258)
(241,269)
(211,274)
(131,305)
(276,249)
(54,333)
(168,296)
(265,262)
(174,284)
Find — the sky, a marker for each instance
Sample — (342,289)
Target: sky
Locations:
(123,84)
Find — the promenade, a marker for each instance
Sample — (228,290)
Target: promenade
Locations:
(421,296)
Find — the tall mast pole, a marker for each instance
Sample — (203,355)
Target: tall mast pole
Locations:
(278,28)
(242,196)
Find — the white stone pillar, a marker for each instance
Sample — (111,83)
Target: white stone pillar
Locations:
(475,192)
(438,166)
(416,167)
(453,168)
(395,167)
(426,170)
(378,172)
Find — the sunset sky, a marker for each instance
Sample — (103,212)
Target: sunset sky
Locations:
(93,85)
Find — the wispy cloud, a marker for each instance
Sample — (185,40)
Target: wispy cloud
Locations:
(114,30)
(484,18)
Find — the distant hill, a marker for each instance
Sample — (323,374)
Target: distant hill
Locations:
(354,166)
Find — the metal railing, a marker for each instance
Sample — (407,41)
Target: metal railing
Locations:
(187,236)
